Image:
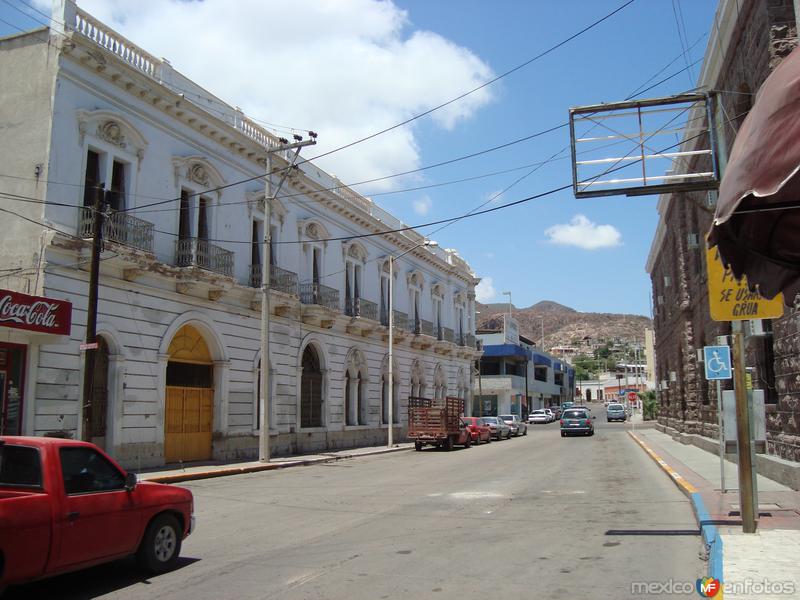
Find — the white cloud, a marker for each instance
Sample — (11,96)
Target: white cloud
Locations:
(345,69)
(422,206)
(581,232)
(484,291)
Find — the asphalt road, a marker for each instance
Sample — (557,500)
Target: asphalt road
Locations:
(533,517)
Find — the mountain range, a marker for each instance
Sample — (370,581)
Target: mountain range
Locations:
(563,326)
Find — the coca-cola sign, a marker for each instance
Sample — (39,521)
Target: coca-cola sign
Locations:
(34,313)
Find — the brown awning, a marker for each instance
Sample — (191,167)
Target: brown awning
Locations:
(757,221)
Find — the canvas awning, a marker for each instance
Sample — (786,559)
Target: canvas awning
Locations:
(757,220)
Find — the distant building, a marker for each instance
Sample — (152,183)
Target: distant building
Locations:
(515,377)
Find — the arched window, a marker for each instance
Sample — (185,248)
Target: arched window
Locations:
(356,407)
(311,390)
(418,387)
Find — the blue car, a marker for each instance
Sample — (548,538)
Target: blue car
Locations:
(616,412)
(576,421)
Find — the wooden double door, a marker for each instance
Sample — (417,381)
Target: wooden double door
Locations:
(188,424)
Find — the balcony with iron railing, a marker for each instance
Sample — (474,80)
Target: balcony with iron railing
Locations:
(196,252)
(360,307)
(414,325)
(449,335)
(469,341)
(280,280)
(321,295)
(427,328)
(401,321)
(118,227)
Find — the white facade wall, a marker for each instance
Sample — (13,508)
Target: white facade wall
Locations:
(145,298)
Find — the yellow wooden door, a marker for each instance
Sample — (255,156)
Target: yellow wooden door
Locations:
(188,423)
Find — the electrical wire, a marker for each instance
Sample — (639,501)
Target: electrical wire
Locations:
(247,180)
(473,90)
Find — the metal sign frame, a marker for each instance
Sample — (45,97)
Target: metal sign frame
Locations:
(699,107)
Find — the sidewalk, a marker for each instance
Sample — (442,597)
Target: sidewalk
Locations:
(770,555)
(180,473)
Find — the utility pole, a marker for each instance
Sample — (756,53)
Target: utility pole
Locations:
(748,493)
(263,434)
(91,312)
(390,400)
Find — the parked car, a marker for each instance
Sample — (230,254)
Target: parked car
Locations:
(576,420)
(498,427)
(539,416)
(616,412)
(478,429)
(517,427)
(556,411)
(550,414)
(66,505)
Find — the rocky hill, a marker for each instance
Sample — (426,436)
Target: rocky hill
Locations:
(565,326)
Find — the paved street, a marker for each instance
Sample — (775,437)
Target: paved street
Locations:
(533,517)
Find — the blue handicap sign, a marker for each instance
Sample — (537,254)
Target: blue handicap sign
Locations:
(718,362)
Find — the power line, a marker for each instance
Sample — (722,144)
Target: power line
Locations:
(480,87)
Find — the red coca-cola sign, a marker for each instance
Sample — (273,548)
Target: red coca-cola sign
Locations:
(35,313)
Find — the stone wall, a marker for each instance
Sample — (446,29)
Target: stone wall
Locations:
(764,34)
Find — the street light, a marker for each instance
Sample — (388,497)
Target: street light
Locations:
(428,243)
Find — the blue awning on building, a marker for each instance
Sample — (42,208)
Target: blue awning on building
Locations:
(557,366)
(540,359)
(506,351)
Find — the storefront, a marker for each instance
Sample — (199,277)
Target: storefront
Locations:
(25,321)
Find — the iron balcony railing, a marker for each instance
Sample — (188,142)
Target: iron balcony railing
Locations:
(359,307)
(427,327)
(322,295)
(414,325)
(119,227)
(352,307)
(280,279)
(470,341)
(400,320)
(195,252)
(369,310)
(449,335)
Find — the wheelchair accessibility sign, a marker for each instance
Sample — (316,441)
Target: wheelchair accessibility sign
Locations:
(718,362)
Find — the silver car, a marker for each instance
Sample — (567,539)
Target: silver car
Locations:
(517,427)
(498,427)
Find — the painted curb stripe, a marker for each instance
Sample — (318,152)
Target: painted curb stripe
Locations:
(708,530)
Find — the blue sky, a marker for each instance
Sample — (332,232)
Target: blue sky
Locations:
(354,67)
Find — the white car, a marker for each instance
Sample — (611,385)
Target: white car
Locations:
(539,416)
(550,413)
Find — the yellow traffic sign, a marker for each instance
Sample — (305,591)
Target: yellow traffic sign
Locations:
(730,300)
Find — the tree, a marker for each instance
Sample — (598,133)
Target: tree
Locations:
(649,405)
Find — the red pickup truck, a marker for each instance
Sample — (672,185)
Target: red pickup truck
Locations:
(66,505)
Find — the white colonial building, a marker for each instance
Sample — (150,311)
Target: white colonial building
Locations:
(177,371)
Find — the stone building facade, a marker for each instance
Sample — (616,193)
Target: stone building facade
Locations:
(179,319)
(747,42)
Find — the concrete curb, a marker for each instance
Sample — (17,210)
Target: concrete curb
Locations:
(227,471)
(708,531)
